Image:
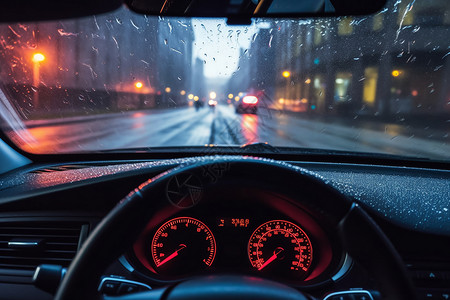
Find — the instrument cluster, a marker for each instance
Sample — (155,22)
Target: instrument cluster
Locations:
(276,241)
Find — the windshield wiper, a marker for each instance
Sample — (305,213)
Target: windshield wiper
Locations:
(215,149)
(262,148)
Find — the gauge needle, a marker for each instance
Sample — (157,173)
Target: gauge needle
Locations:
(173,255)
(271,259)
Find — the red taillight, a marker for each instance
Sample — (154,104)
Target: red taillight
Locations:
(250,100)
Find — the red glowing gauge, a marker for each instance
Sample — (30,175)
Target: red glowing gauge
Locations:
(183,245)
(280,247)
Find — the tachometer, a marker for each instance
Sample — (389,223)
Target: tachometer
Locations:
(280,247)
(183,245)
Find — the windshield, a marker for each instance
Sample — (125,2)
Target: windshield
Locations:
(374,84)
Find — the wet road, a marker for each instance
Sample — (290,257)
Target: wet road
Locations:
(222,126)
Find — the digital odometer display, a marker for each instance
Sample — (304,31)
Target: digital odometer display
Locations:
(280,247)
(181,245)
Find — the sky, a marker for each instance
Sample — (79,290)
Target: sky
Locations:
(218,45)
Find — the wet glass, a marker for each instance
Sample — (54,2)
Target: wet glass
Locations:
(374,84)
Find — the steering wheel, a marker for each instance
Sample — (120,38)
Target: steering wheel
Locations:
(117,232)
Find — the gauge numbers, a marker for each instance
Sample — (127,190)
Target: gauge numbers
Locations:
(280,246)
(181,245)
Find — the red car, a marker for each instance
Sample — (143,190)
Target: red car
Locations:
(248,105)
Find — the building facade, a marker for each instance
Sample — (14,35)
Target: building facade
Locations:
(112,62)
(392,63)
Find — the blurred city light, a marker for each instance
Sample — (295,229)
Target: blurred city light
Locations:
(237,98)
(190,96)
(308,81)
(168,89)
(286,74)
(250,100)
(395,73)
(212,95)
(183,92)
(138,85)
(38,57)
(230,96)
(196,98)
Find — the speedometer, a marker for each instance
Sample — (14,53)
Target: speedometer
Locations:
(183,245)
(280,247)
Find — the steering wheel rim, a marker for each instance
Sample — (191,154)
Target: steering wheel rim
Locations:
(129,218)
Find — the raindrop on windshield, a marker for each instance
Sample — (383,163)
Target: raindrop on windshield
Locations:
(254,37)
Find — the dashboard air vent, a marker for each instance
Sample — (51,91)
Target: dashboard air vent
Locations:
(25,245)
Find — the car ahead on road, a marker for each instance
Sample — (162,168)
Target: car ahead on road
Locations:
(212,103)
(113,187)
(247,105)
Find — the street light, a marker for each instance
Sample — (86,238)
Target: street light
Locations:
(138,85)
(230,96)
(287,75)
(183,92)
(168,89)
(190,96)
(212,95)
(37,58)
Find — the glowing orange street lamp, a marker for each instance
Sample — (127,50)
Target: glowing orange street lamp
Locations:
(37,58)
(138,85)
(287,75)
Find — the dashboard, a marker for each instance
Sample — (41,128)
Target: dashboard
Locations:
(247,231)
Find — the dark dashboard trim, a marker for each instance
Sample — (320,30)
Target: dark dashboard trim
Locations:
(324,158)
